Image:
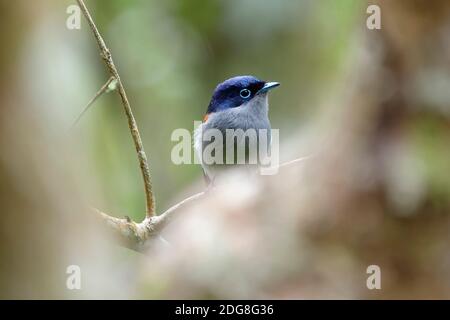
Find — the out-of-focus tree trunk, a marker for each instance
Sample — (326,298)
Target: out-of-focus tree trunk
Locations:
(45,227)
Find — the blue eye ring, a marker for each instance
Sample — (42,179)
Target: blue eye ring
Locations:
(245,93)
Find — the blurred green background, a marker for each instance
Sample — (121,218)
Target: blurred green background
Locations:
(172,54)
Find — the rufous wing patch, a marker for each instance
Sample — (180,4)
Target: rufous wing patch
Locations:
(205,117)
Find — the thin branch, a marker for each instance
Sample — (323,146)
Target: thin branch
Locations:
(102,90)
(295,161)
(143,163)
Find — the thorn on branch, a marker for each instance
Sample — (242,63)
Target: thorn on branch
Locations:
(110,85)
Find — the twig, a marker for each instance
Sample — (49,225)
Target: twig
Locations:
(143,163)
(133,235)
(102,90)
(295,161)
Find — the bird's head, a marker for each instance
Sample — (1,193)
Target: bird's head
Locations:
(238,91)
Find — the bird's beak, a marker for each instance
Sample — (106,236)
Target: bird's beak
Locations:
(268,86)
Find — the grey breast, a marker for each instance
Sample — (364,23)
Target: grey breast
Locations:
(249,130)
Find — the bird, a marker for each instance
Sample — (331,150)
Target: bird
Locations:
(240,102)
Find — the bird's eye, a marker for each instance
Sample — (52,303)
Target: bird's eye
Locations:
(245,93)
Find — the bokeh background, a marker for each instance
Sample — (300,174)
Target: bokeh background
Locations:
(372,105)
